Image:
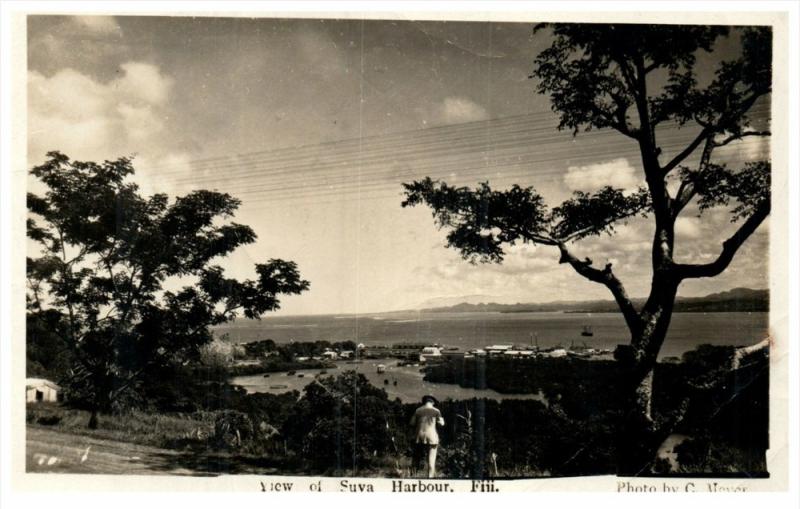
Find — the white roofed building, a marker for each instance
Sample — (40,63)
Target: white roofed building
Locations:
(40,390)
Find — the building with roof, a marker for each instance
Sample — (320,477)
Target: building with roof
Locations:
(39,390)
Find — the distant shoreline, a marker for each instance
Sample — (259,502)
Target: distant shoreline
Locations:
(745,300)
(732,301)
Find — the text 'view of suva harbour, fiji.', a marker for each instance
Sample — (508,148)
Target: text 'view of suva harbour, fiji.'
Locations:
(405,255)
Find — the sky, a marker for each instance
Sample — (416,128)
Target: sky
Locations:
(314,124)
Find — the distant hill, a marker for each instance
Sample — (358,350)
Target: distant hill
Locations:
(737,299)
(456,300)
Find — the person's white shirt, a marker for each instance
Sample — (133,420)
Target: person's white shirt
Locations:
(425,419)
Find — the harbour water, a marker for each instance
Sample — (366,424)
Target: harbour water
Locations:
(477,330)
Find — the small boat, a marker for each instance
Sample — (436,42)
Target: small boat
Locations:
(587,331)
(557,352)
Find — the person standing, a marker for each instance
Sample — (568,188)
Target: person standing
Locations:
(426,444)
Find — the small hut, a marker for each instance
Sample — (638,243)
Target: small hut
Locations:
(38,390)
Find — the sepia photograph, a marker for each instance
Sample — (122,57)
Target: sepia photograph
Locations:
(422,251)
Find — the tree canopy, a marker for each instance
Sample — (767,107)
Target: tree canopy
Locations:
(632,79)
(129,282)
(629,78)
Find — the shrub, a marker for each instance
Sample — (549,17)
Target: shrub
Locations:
(232,429)
(48,420)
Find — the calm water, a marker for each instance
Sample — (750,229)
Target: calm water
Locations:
(403,382)
(474,330)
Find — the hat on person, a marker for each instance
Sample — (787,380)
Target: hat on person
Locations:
(430,398)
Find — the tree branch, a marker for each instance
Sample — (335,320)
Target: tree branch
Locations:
(617,124)
(539,239)
(739,358)
(729,248)
(687,151)
(686,192)
(607,278)
(68,298)
(740,136)
(743,353)
(584,231)
(687,189)
(717,127)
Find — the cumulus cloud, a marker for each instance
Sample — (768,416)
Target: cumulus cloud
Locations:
(688,227)
(751,148)
(616,173)
(457,110)
(96,24)
(143,82)
(153,171)
(89,119)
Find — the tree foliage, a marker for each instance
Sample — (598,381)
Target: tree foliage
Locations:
(632,79)
(343,422)
(129,282)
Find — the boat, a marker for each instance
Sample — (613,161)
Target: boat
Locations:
(581,351)
(587,331)
(556,352)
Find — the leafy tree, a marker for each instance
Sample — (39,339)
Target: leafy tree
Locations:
(632,79)
(46,352)
(128,282)
(260,348)
(343,423)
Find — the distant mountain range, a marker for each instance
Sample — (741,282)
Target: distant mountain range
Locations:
(454,300)
(737,299)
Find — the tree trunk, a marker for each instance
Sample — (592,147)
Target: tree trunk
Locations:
(639,437)
(637,434)
(93,419)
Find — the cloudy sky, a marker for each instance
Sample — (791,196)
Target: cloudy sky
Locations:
(314,124)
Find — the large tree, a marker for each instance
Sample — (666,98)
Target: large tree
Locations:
(128,282)
(633,79)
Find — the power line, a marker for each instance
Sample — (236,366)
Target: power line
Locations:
(420,151)
(392,190)
(424,132)
(523,166)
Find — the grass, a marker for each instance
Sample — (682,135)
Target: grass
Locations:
(174,431)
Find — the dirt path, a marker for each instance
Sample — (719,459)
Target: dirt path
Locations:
(53,451)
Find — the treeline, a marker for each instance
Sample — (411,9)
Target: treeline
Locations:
(277,365)
(725,412)
(583,386)
(289,351)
